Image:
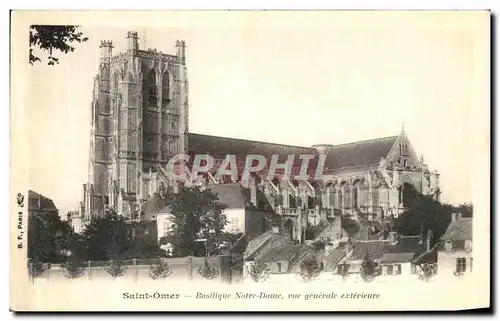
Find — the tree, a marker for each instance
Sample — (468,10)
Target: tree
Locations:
(144,244)
(208,271)
(426,271)
(429,214)
(107,237)
(258,271)
(196,214)
(53,38)
(369,268)
(310,269)
(50,238)
(160,270)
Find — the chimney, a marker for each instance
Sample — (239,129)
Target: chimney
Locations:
(421,235)
(429,240)
(393,237)
(132,40)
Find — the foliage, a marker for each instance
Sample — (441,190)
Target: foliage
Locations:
(50,238)
(196,213)
(73,268)
(36,268)
(258,271)
(112,237)
(425,212)
(160,270)
(144,243)
(107,237)
(427,271)
(53,38)
(116,268)
(343,270)
(309,269)
(369,268)
(208,271)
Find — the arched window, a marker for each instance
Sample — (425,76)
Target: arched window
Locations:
(149,88)
(165,88)
(355,196)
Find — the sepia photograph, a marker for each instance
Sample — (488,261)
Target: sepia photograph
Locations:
(250,160)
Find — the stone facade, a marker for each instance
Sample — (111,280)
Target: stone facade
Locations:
(139,119)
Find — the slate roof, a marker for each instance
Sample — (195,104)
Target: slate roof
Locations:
(263,238)
(333,259)
(409,244)
(231,195)
(362,153)
(376,249)
(287,253)
(152,206)
(459,230)
(397,257)
(39,203)
(221,146)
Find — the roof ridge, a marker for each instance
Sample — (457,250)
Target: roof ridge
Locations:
(252,141)
(366,141)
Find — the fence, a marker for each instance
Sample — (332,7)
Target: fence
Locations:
(221,268)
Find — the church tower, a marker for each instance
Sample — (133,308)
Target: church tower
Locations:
(139,120)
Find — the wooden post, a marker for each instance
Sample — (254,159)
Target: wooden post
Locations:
(136,273)
(89,273)
(189,262)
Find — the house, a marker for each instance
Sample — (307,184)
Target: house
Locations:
(396,255)
(455,254)
(39,204)
(284,256)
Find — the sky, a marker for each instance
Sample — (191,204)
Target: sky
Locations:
(326,82)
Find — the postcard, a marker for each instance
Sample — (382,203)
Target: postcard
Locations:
(250,160)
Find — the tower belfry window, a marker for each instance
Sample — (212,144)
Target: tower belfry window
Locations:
(150,89)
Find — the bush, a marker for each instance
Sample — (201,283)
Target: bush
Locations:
(116,268)
(369,268)
(427,271)
(160,270)
(258,271)
(207,271)
(310,269)
(73,269)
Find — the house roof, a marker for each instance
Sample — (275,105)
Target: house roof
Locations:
(38,202)
(328,230)
(459,230)
(287,253)
(376,249)
(362,153)
(222,146)
(409,244)
(152,206)
(231,195)
(333,259)
(397,257)
(268,236)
